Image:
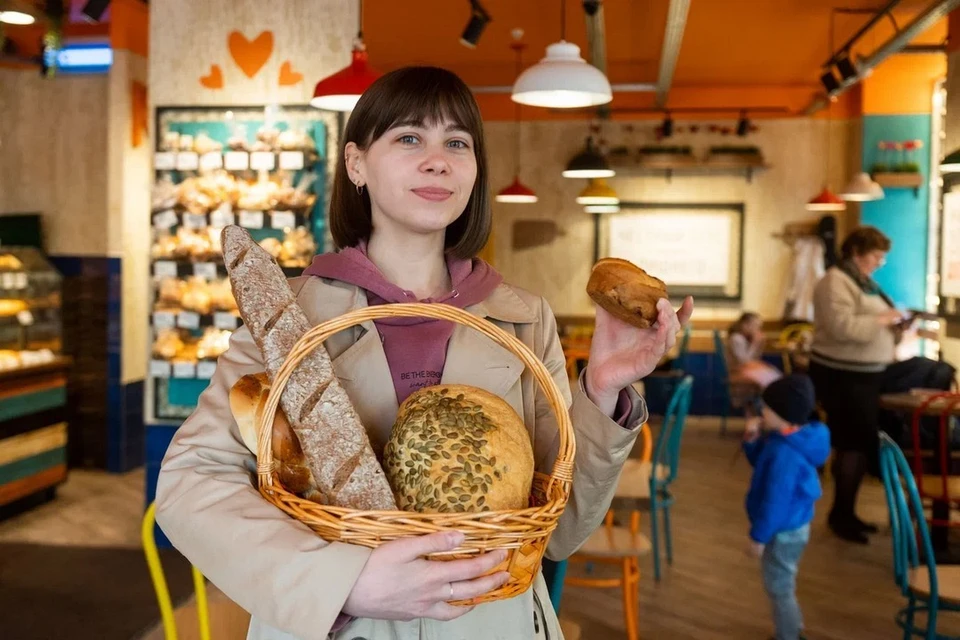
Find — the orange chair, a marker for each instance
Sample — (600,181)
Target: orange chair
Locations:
(623,546)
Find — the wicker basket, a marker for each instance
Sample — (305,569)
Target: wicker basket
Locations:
(523,533)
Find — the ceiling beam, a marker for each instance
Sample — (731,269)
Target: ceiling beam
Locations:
(672,38)
(597,46)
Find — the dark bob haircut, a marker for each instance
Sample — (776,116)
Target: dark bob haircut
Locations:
(864,240)
(425,96)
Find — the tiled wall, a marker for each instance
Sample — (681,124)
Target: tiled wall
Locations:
(106,421)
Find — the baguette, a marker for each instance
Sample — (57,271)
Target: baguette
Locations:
(334,441)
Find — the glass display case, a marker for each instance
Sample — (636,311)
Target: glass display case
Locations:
(30,304)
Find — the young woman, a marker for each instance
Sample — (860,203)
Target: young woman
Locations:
(410,210)
(745,342)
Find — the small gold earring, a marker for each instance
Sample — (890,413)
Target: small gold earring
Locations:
(359,189)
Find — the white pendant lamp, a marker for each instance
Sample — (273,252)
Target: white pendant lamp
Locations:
(862,188)
(562,79)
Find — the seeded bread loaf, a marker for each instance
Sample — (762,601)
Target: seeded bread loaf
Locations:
(333,440)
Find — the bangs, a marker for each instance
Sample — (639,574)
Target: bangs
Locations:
(427,97)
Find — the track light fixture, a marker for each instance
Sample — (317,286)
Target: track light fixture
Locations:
(94,9)
(590,7)
(846,67)
(479,19)
(743,124)
(829,81)
(666,129)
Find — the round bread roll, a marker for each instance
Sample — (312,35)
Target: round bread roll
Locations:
(456,448)
(248,398)
(626,291)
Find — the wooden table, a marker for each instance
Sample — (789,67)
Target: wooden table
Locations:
(909,402)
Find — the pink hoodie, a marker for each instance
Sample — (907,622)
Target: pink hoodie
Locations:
(416,348)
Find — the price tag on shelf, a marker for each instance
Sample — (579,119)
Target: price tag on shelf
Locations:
(205,270)
(291,160)
(236,160)
(164,320)
(251,219)
(263,161)
(283,219)
(184,370)
(188,320)
(165,219)
(222,217)
(211,160)
(165,161)
(195,221)
(206,368)
(225,320)
(160,369)
(188,161)
(165,269)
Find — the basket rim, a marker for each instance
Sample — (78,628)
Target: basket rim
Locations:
(562,472)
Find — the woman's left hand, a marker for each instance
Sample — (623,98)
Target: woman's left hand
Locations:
(621,354)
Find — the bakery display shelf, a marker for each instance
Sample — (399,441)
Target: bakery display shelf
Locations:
(15,373)
(192,320)
(192,161)
(208,269)
(182,369)
(278,218)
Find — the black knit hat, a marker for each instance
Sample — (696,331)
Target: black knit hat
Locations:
(792,398)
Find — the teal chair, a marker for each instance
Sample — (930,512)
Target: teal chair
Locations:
(658,475)
(734,394)
(666,455)
(928,588)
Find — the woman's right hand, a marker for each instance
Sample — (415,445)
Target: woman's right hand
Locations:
(890,317)
(398,584)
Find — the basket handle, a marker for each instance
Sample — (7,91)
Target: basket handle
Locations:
(562,467)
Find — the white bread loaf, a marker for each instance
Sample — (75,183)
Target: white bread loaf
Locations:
(333,440)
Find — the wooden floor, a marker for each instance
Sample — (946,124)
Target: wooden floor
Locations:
(712,591)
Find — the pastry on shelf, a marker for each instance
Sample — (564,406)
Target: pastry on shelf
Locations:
(205,144)
(268,135)
(259,196)
(238,138)
(10,262)
(170,291)
(297,249)
(170,141)
(213,343)
(186,142)
(167,344)
(196,296)
(9,359)
(12,307)
(31,358)
(164,194)
(165,246)
(221,295)
(273,246)
(186,354)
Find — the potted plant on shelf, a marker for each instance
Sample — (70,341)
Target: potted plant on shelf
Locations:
(897,164)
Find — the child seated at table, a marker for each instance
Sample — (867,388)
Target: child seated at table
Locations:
(745,342)
(783,490)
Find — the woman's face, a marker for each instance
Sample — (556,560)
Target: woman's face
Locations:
(869,262)
(419,176)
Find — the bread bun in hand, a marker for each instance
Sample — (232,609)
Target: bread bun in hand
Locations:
(626,291)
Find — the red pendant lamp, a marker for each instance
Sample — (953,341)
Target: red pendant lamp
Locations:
(517,192)
(827,200)
(340,91)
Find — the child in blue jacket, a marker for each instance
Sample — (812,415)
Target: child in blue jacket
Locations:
(783,490)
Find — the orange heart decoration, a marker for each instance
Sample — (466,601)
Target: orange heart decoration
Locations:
(214,80)
(250,55)
(288,76)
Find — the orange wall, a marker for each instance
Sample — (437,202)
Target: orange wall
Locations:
(903,84)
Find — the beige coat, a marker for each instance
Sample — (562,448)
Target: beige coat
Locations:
(846,333)
(293,583)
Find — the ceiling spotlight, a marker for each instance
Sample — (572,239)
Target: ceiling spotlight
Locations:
(846,67)
(479,19)
(590,7)
(666,129)
(743,125)
(829,81)
(94,9)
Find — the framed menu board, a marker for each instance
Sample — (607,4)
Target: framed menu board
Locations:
(697,249)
